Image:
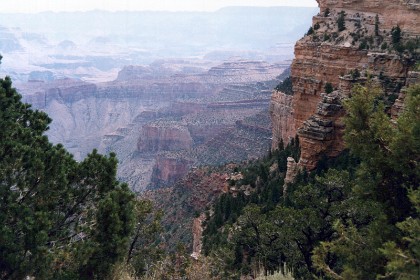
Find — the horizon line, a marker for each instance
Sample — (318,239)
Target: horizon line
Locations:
(154,10)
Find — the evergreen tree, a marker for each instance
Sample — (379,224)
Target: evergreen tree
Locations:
(328,88)
(389,169)
(60,218)
(341,21)
(396,34)
(376,25)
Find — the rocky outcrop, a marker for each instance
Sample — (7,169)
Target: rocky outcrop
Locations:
(291,173)
(168,169)
(164,137)
(327,55)
(282,118)
(322,133)
(194,193)
(315,65)
(398,106)
(245,70)
(405,13)
(197,231)
(41,94)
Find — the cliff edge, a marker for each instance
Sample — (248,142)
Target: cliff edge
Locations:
(350,41)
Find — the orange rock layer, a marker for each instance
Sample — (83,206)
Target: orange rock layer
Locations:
(330,56)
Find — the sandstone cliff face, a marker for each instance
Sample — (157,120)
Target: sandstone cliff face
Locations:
(164,137)
(315,65)
(341,58)
(167,170)
(405,13)
(322,133)
(282,118)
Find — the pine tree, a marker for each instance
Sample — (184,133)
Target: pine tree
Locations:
(328,88)
(341,22)
(56,213)
(376,25)
(386,186)
(396,34)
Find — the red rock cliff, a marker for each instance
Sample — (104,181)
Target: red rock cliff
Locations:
(341,58)
(166,137)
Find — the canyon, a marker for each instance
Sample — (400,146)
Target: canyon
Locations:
(164,95)
(161,120)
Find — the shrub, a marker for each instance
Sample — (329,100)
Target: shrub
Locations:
(341,21)
(310,31)
(328,88)
(384,46)
(396,34)
(285,86)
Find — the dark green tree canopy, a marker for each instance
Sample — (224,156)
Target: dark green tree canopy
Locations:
(60,219)
(357,219)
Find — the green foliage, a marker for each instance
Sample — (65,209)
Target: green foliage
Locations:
(376,25)
(327,12)
(262,241)
(396,35)
(355,74)
(364,44)
(341,21)
(310,31)
(354,217)
(389,153)
(316,26)
(404,258)
(328,88)
(285,86)
(60,219)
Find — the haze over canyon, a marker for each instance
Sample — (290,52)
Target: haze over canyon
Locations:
(166,91)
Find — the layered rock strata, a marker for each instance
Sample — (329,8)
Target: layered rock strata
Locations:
(168,169)
(327,55)
(404,13)
(282,118)
(321,134)
(162,119)
(166,137)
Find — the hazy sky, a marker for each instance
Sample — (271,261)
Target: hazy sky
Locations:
(33,6)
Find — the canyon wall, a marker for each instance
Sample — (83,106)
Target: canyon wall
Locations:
(161,120)
(168,169)
(404,13)
(282,118)
(338,58)
(164,137)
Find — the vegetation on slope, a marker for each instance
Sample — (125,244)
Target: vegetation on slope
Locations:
(285,85)
(355,218)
